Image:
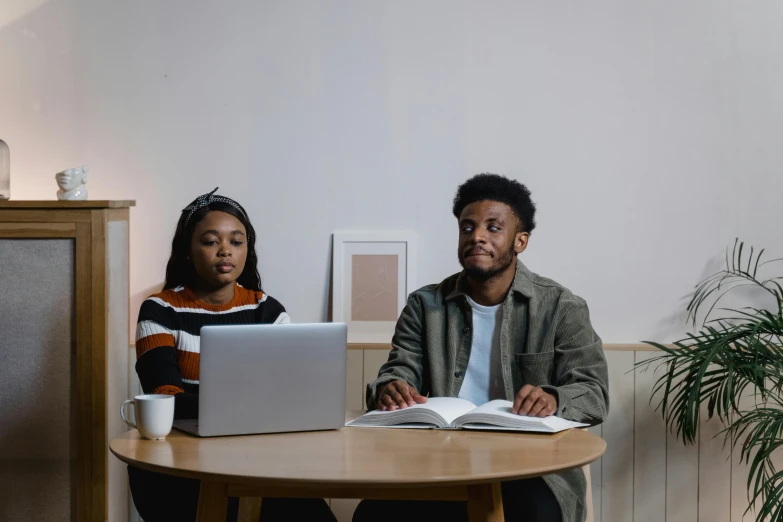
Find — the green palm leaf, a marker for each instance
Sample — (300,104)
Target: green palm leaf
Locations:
(728,358)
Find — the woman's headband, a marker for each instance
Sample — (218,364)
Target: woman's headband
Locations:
(207,199)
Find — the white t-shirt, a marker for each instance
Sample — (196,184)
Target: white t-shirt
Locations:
(484,378)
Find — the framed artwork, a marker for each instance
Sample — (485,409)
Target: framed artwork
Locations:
(372,275)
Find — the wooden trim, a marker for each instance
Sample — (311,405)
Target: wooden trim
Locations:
(119,214)
(636,347)
(55,204)
(99,320)
(452,493)
(369,346)
(8,215)
(37,230)
(81,374)
(608,347)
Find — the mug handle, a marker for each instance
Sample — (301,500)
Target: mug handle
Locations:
(122,413)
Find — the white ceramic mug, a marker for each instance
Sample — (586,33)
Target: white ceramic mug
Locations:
(154,415)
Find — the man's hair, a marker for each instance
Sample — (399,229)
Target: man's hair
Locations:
(494,187)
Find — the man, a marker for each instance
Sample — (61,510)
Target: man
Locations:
(496,330)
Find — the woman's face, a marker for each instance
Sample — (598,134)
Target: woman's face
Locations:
(218,249)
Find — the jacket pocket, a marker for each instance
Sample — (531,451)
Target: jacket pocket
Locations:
(535,368)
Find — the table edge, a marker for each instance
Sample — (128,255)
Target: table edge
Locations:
(363,484)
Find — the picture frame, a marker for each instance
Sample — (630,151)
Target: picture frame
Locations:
(372,275)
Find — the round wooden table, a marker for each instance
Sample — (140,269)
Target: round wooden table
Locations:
(359,463)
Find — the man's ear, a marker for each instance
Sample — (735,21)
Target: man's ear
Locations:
(520,241)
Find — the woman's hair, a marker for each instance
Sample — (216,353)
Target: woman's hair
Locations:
(180,270)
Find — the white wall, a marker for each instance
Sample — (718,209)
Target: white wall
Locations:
(647,131)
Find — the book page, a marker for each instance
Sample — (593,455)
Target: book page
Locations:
(497,407)
(498,413)
(449,408)
(412,426)
(437,411)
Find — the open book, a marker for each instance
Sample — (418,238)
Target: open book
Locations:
(454,413)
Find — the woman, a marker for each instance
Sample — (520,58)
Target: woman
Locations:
(211,278)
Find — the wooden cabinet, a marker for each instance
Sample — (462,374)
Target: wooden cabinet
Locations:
(63,359)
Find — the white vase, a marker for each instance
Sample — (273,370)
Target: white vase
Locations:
(72,183)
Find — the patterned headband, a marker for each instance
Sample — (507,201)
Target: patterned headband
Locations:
(206,200)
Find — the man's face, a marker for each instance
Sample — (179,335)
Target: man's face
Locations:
(489,239)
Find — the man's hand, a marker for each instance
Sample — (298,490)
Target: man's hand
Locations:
(534,402)
(398,394)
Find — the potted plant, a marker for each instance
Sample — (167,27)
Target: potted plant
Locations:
(737,355)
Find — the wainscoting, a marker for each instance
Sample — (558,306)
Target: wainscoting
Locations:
(646,474)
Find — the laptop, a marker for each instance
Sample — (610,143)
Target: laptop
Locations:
(266,378)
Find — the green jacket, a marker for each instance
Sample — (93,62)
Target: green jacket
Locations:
(546,340)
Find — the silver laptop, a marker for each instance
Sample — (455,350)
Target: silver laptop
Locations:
(270,379)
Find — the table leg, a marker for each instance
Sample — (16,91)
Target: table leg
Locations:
(249,509)
(212,502)
(485,503)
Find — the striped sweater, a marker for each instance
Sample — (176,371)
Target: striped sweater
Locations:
(168,338)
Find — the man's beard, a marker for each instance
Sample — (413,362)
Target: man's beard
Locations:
(485,274)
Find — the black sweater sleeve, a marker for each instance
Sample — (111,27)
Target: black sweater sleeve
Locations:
(159,372)
(157,365)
